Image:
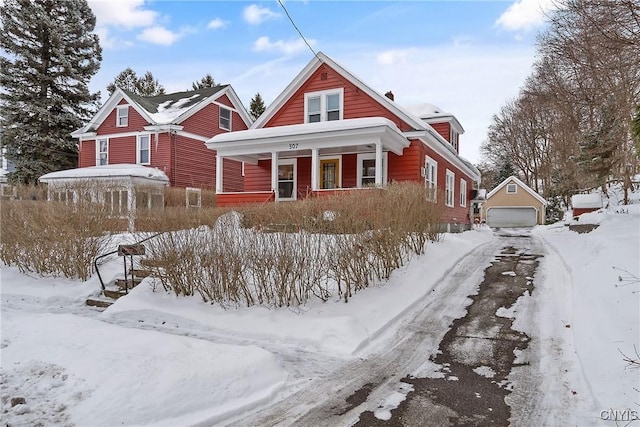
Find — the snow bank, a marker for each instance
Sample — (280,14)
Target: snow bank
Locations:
(604,293)
(586,201)
(333,326)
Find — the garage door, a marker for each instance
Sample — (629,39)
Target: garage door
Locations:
(511,217)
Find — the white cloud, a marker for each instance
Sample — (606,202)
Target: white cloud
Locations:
(255,14)
(524,15)
(263,44)
(123,13)
(392,57)
(217,23)
(159,35)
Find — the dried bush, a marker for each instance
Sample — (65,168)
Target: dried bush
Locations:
(284,254)
(50,238)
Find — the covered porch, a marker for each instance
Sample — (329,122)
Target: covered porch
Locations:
(293,162)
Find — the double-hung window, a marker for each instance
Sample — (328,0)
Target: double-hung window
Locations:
(225,118)
(450,188)
(463,192)
(431,177)
(122,116)
(366,172)
(143,152)
(323,106)
(102,152)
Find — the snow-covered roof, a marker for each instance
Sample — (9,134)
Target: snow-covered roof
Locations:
(425,110)
(585,201)
(108,171)
(305,129)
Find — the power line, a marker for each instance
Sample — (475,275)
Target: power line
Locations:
(298,30)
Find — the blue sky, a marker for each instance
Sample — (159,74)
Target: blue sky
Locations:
(466,57)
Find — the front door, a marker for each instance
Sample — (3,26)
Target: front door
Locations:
(329,174)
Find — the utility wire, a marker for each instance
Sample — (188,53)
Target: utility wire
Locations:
(298,30)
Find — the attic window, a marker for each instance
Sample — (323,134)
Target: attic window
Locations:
(225,118)
(323,106)
(122,116)
(512,188)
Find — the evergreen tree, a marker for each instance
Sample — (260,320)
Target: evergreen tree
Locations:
(256,107)
(129,81)
(206,81)
(49,55)
(126,80)
(148,86)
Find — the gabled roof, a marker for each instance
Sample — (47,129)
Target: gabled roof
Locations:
(172,108)
(521,184)
(311,67)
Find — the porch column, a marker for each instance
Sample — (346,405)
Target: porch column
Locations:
(274,172)
(219,163)
(378,164)
(314,169)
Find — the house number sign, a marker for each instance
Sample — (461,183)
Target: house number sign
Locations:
(293,146)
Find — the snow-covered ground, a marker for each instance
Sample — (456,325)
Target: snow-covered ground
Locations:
(154,359)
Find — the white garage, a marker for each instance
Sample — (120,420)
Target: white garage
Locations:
(512,217)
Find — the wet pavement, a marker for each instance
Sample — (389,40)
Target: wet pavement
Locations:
(476,356)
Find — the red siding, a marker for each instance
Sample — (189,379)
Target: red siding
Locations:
(444,129)
(123,150)
(356,103)
(304,176)
(234,199)
(136,122)
(87,154)
(349,170)
(257,177)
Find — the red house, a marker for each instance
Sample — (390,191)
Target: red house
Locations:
(328,131)
(166,132)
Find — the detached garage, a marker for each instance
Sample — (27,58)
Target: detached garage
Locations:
(513,204)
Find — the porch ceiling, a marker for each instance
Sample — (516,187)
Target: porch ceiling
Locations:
(337,137)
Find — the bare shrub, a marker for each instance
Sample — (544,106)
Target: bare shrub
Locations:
(52,238)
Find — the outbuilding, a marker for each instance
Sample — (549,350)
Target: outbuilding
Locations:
(513,204)
(583,203)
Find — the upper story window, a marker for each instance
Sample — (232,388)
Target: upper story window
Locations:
(431,177)
(225,118)
(463,192)
(323,106)
(143,151)
(512,188)
(122,116)
(449,188)
(102,152)
(454,139)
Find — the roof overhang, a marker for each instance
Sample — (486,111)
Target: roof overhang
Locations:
(115,172)
(351,135)
(441,146)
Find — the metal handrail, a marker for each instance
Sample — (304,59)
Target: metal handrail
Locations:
(95,261)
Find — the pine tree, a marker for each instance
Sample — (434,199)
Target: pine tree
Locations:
(126,80)
(256,107)
(129,81)
(206,81)
(49,55)
(148,86)
(635,129)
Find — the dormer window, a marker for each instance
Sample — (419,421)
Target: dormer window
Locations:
(323,106)
(122,116)
(454,139)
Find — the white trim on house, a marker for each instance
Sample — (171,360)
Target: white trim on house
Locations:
(221,118)
(294,192)
(360,157)
(463,193)
(450,189)
(139,149)
(99,151)
(431,178)
(122,116)
(323,96)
